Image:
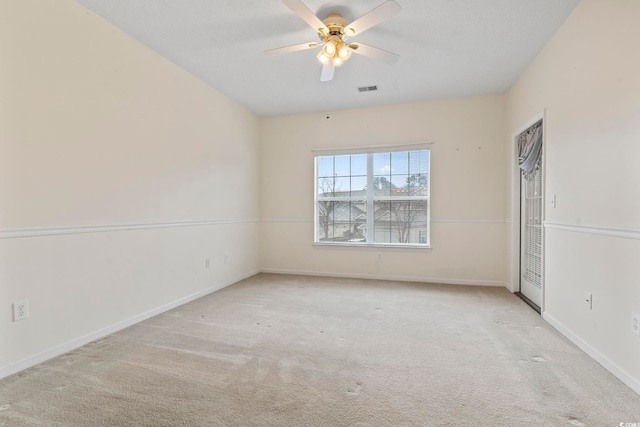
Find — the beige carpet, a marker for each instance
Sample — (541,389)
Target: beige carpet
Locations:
(298,351)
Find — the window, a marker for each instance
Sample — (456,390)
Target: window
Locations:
(374,198)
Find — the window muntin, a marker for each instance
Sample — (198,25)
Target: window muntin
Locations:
(375,198)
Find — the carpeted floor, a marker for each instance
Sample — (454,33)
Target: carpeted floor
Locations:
(297,351)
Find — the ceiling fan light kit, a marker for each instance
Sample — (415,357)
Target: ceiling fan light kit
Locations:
(333,33)
(335,47)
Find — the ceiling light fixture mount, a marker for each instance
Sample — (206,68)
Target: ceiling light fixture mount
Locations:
(334,32)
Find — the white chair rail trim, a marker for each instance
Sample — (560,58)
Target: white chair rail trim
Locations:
(626,233)
(56,231)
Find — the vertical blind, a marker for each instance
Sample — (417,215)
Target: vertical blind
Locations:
(532,270)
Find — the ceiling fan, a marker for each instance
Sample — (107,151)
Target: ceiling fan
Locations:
(334,31)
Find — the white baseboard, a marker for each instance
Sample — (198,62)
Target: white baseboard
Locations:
(101,333)
(23,364)
(390,277)
(610,366)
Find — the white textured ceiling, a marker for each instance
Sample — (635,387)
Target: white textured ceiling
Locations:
(447,48)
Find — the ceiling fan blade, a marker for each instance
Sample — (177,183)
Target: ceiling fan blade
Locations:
(306,15)
(288,49)
(380,14)
(327,72)
(374,53)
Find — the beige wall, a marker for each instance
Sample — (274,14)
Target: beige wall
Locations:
(97,130)
(468,202)
(587,80)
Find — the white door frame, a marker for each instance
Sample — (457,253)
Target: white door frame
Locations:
(516,204)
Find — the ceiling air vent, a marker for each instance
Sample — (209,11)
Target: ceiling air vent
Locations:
(367,88)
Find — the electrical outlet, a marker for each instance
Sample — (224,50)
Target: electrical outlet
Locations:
(207,263)
(20,310)
(379,258)
(635,323)
(226,258)
(588,301)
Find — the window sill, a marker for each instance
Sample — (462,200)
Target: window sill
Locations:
(372,246)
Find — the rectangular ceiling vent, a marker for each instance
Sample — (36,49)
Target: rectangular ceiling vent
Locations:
(367,88)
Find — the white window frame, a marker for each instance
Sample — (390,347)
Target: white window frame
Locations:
(370,199)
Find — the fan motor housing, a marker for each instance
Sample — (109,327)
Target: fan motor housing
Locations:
(335,23)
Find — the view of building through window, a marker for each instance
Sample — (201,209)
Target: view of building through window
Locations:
(376,198)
